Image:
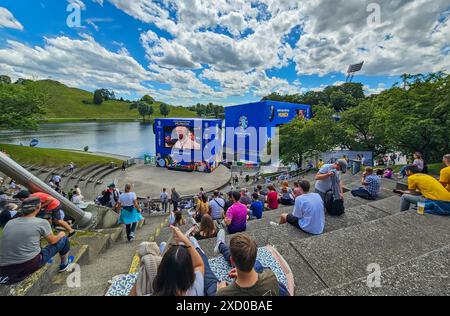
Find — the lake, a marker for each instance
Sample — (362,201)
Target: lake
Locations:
(121,138)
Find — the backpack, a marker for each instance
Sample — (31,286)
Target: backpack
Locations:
(333,207)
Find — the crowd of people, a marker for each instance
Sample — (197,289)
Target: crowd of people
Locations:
(182,268)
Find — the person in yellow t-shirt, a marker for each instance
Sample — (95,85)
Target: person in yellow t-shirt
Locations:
(320,164)
(420,187)
(445,173)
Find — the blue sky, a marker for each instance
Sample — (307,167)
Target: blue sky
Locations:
(227,52)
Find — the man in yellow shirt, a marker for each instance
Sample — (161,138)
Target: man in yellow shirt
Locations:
(422,186)
(445,173)
(320,164)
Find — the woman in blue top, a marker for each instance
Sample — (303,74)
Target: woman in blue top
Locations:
(130,212)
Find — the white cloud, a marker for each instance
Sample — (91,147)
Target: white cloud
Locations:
(8,20)
(79,63)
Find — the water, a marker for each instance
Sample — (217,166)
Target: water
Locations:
(121,138)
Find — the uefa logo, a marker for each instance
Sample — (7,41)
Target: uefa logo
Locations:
(243,122)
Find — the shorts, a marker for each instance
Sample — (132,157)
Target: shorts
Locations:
(291,219)
(54,215)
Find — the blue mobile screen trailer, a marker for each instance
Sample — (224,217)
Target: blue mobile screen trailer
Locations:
(188,144)
(243,121)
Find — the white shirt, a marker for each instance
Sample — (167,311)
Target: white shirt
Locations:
(217,205)
(77,199)
(310,211)
(127,199)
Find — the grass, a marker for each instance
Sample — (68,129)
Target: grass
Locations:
(433,169)
(65,104)
(53,157)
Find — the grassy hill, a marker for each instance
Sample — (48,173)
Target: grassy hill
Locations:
(53,157)
(68,104)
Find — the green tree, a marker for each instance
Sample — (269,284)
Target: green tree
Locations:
(5,79)
(148,99)
(164,109)
(20,108)
(98,97)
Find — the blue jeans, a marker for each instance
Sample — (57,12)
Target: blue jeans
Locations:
(259,268)
(403,172)
(210,278)
(363,193)
(62,247)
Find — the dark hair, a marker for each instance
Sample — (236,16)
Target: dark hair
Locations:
(236,195)
(305,185)
(271,187)
(204,198)
(207,226)
(243,251)
(296,184)
(259,187)
(412,168)
(178,218)
(255,196)
(216,193)
(175,273)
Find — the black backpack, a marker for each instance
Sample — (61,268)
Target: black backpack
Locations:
(333,207)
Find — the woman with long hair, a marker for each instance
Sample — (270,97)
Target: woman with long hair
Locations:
(207,228)
(202,208)
(181,271)
(130,211)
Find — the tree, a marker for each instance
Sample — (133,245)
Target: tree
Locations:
(98,97)
(107,95)
(164,109)
(148,99)
(5,79)
(21,107)
(144,109)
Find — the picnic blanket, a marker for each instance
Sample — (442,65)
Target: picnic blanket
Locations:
(269,257)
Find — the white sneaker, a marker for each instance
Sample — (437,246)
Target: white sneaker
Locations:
(220,240)
(274,224)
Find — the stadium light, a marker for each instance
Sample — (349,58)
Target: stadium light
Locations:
(352,69)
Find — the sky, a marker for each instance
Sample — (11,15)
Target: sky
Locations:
(227,52)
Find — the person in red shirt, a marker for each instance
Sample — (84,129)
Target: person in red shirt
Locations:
(50,209)
(272,197)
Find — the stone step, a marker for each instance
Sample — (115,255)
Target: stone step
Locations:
(343,255)
(426,275)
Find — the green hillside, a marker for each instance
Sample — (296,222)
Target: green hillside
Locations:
(68,104)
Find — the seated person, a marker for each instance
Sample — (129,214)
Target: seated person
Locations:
(420,187)
(245,199)
(202,208)
(251,279)
(256,208)
(206,230)
(297,190)
(20,248)
(371,185)
(228,202)
(216,206)
(309,211)
(236,217)
(176,219)
(181,271)
(286,195)
(272,197)
(444,178)
(388,173)
(9,213)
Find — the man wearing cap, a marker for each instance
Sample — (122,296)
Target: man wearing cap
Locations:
(50,209)
(20,249)
(324,178)
(114,195)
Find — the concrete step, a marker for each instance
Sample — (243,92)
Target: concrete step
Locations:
(117,260)
(342,256)
(426,275)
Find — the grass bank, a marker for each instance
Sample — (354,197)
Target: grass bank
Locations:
(53,157)
(433,169)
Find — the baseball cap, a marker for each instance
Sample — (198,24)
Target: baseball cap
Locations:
(22,194)
(29,204)
(112,185)
(343,164)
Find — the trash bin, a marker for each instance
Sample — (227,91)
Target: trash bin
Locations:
(356,164)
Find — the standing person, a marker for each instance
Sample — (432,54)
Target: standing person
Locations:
(421,187)
(371,185)
(113,195)
(202,192)
(130,211)
(164,198)
(320,164)
(272,197)
(309,212)
(444,178)
(236,218)
(124,166)
(175,198)
(20,248)
(71,167)
(324,177)
(363,160)
(50,209)
(217,206)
